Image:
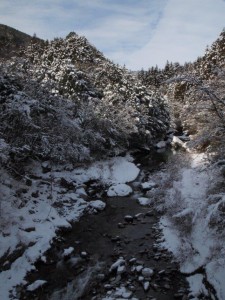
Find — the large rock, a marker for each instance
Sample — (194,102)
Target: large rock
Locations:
(120,189)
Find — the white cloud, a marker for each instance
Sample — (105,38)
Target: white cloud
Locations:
(138,33)
(182,34)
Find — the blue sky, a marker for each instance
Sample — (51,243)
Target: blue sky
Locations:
(137,33)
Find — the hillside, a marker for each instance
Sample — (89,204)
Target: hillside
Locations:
(96,107)
(73,199)
(195,93)
(194,216)
(12,40)
(66,113)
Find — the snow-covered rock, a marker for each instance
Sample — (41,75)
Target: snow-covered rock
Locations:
(148,185)
(120,189)
(68,251)
(161,144)
(139,268)
(122,292)
(177,142)
(147,272)
(128,218)
(121,269)
(35,285)
(144,201)
(97,204)
(184,138)
(84,254)
(146,285)
(118,263)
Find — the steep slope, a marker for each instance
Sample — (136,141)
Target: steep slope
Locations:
(12,40)
(66,93)
(195,93)
(62,103)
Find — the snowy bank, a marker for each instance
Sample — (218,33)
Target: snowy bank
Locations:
(191,226)
(36,207)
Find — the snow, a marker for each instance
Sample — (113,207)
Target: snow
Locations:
(30,223)
(119,293)
(186,225)
(178,142)
(197,285)
(215,271)
(115,170)
(68,251)
(120,189)
(117,264)
(148,185)
(144,201)
(122,292)
(35,285)
(97,204)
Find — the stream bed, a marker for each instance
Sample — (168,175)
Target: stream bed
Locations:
(115,253)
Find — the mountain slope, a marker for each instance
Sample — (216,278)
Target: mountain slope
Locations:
(66,93)
(12,40)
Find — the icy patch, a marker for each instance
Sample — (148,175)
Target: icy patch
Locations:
(121,190)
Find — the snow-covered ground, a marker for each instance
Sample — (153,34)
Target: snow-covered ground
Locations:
(193,225)
(35,208)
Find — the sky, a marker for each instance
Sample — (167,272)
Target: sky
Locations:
(135,33)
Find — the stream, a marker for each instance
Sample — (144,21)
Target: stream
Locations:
(126,233)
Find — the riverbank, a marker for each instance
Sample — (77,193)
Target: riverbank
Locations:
(133,213)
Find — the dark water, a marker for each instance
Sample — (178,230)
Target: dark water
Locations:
(105,241)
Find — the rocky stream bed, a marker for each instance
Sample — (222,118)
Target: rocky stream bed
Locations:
(113,254)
